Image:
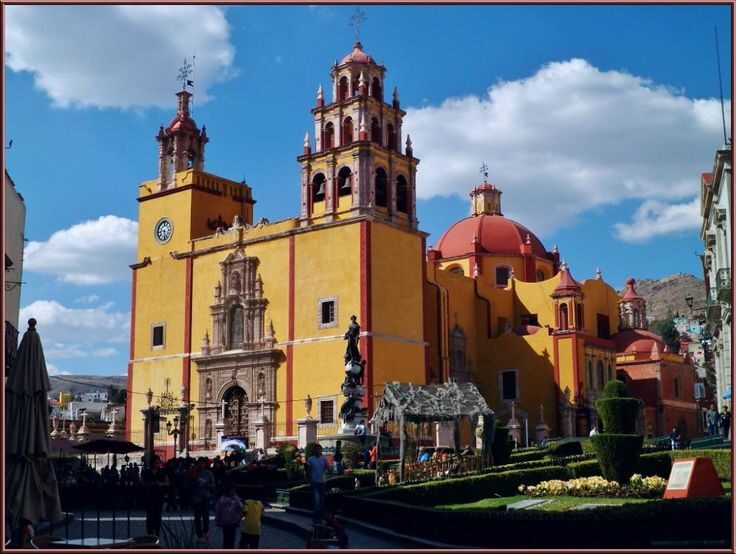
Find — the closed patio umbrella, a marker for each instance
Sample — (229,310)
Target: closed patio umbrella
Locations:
(31,490)
(108,446)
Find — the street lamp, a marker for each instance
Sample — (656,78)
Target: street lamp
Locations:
(175,432)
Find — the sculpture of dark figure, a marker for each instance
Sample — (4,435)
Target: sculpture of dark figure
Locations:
(352,336)
(350,408)
(354,375)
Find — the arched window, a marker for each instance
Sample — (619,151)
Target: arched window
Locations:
(381,188)
(343,89)
(344,181)
(578,316)
(502,276)
(390,137)
(541,276)
(402,195)
(235,326)
(637,319)
(347,131)
(376,90)
(601,374)
(318,187)
(329,136)
(563,317)
(376,132)
(456,269)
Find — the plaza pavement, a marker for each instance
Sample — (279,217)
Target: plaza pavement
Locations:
(282,529)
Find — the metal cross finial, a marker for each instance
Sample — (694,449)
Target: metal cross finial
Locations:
(484,171)
(184,72)
(355,21)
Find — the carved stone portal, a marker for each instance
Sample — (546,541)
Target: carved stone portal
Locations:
(238,366)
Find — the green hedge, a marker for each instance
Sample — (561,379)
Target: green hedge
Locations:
(529,456)
(470,489)
(502,446)
(566,448)
(614,389)
(721,459)
(618,414)
(672,520)
(617,454)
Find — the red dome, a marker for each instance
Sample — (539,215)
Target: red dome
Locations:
(496,234)
(637,339)
(357,55)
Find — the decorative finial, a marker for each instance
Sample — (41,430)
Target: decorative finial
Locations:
(598,273)
(476,271)
(396,96)
(184,71)
(306,140)
(563,266)
(355,21)
(32,324)
(528,239)
(320,95)
(554,249)
(484,171)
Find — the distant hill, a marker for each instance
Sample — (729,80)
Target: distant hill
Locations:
(666,296)
(84,383)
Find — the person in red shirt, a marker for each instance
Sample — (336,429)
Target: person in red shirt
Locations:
(373,453)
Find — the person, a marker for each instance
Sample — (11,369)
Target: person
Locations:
(26,534)
(361,432)
(337,458)
(711,418)
(337,528)
(594,431)
(373,456)
(155,482)
(261,455)
(725,422)
(202,487)
(316,473)
(250,526)
(228,511)
(424,455)
(675,439)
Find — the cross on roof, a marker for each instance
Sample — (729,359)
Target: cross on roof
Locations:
(484,171)
(184,72)
(357,18)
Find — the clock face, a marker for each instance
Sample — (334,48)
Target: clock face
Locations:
(162,231)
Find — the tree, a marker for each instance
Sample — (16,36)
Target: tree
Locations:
(118,396)
(666,329)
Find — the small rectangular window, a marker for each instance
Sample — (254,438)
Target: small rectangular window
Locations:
(327,312)
(508,384)
(677,388)
(327,411)
(157,336)
(502,276)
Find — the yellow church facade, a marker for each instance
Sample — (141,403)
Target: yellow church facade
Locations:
(244,318)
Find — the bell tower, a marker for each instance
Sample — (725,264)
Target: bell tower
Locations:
(358,165)
(180,144)
(632,308)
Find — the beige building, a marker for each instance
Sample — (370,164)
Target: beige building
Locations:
(15,221)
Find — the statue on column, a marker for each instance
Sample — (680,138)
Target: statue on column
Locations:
(352,411)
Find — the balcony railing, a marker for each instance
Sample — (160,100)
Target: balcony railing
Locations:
(723,284)
(712,309)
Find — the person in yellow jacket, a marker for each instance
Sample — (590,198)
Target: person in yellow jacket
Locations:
(250,525)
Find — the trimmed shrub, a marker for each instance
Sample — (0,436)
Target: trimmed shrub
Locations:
(721,459)
(618,414)
(502,446)
(288,452)
(565,448)
(587,446)
(614,389)
(352,454)
(655,464)
(588,468)
(617,455)
(529,456)
(469,489)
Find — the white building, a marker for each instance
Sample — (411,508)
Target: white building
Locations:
(96,396)
(15,222)
(715,207)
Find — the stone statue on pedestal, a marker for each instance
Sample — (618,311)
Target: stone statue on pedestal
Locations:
(352,411)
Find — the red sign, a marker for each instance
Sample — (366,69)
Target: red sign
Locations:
(692,478)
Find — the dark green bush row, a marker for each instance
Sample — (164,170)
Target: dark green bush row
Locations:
(502,446)
(721,459)
(470,489)
(617,453)
(671,520)
(618,414)
(528,456)
(565,448)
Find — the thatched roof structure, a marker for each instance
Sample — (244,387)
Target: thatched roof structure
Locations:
(416,403)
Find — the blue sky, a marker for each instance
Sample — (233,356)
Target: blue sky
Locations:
(595,121)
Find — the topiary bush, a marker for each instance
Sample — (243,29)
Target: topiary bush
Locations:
(566,448)
(502,446)
(618,455)
(618,447)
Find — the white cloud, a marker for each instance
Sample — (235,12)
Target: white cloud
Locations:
(568,139)
(51,369)
(654,218)
(117,56)
(89,253)
(75,331)
(104,352)
(89,299)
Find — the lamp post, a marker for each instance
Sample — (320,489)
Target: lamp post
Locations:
(175,432)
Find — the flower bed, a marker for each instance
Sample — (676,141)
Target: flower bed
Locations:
(638,487)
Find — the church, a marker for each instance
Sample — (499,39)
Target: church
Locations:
(242,320)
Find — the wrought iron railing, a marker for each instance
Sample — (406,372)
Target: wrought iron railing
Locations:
(723,284)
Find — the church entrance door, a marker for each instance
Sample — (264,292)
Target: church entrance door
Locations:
(236,412)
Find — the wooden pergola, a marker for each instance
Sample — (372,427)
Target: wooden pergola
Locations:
(406,403)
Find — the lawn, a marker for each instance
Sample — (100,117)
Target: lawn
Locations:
(557,504)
